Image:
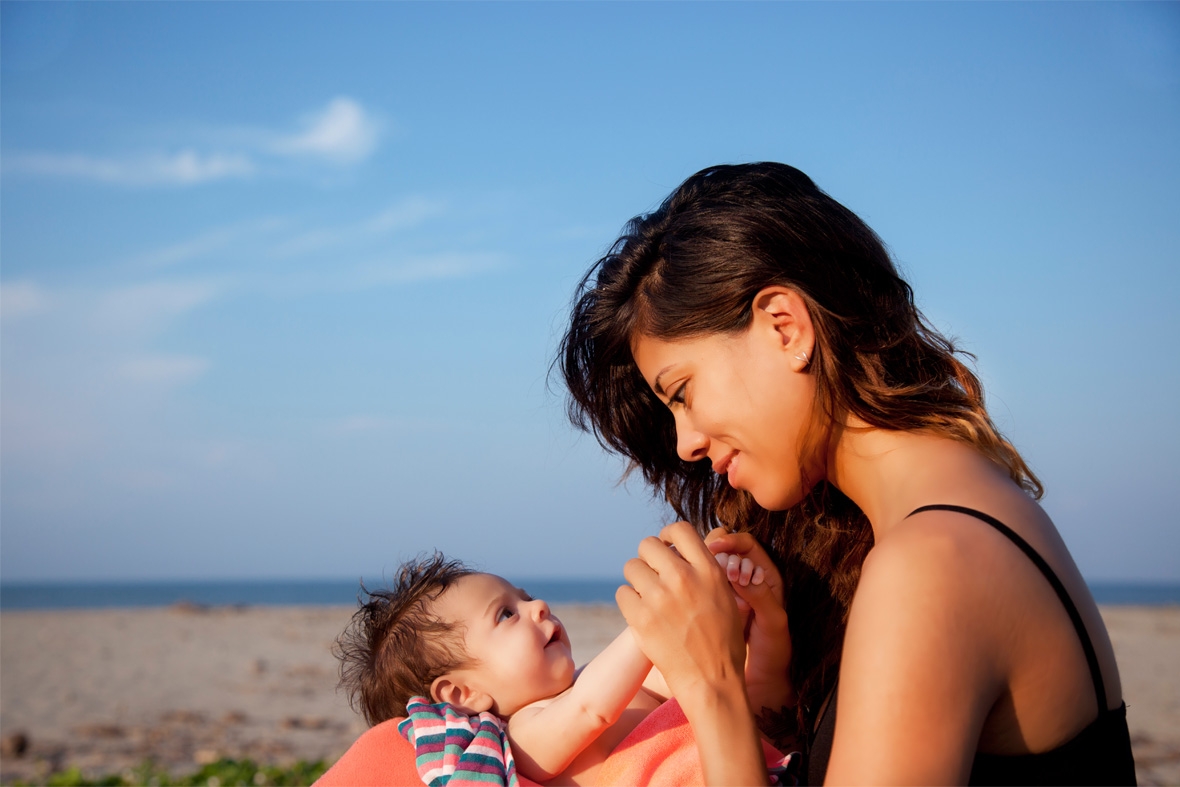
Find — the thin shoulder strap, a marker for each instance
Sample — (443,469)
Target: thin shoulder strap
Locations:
(1066,601)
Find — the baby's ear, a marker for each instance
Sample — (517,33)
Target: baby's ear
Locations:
(454,690)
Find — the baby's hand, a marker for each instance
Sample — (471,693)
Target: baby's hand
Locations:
(758,589)
(741,571)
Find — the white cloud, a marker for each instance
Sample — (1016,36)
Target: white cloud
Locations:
(89,373)
(206,243)
(21,299)
(402,215)
(165,370)
(409,212)
(342,131)
(379,273)
(440,266)
(187,249)
(307,242)
(360,423)
(185,168)
(368,424)
(147,306)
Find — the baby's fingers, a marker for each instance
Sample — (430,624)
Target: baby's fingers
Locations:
(730,564)
(740,570)
(762,599)
(751,573)
(734,566)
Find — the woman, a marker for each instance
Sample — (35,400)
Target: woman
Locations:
(751,349)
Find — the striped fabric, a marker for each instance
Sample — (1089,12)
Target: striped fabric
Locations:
(453,749)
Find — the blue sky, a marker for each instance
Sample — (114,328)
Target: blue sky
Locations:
(281,282)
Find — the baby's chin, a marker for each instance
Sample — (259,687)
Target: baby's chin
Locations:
(562,680)
(561,683)
(570,670)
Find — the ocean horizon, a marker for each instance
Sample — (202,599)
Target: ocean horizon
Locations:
(261,592)
(220,593)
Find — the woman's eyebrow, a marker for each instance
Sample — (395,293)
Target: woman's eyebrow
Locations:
(656,383)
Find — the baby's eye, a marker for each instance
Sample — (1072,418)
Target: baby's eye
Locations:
(504,614)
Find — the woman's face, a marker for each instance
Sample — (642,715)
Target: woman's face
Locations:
(742,400)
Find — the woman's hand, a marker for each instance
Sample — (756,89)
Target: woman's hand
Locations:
(680,606)
(758,588)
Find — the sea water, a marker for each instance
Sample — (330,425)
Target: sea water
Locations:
(96,595)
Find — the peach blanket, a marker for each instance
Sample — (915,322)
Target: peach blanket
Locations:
(659,752)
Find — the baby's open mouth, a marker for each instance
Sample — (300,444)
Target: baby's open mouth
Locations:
(555,637)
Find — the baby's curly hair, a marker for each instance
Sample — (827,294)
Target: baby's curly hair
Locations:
(395,647)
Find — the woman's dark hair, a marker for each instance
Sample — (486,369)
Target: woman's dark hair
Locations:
(395,646)
(692,268)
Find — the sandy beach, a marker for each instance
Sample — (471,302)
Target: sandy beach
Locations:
(106,689)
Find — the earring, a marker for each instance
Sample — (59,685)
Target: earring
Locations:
(802,356)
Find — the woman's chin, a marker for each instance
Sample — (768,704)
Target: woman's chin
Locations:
(777,499)
(770,503)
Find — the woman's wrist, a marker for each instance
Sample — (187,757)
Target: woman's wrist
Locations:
(726,734)
(708,697)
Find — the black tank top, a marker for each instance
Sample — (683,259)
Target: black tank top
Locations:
(1099,754)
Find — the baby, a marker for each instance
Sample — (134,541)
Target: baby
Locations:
(478,643)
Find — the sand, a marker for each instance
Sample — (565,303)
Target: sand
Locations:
(106,689)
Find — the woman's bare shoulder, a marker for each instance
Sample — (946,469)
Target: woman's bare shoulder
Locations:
(923,658)
(934,551)
(934,597)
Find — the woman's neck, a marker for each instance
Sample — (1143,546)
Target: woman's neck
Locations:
(890,473)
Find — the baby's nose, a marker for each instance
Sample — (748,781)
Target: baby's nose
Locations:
(540,609)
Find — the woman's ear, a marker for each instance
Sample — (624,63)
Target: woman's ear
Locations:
(454,690)
(781,315)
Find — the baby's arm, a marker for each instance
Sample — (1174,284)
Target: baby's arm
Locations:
(758,589)
(547,735)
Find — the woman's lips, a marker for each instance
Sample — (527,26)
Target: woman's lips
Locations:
(725,463)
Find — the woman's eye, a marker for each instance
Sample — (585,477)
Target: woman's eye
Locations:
(678,397)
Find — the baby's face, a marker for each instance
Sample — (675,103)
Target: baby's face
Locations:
(521,651)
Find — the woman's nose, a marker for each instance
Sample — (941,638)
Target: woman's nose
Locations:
(691,445)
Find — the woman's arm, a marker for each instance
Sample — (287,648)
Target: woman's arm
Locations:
(680,606)
(547,736)
(922,663)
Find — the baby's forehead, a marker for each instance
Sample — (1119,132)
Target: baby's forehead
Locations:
(471,594)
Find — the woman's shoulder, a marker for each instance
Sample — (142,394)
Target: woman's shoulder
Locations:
(943,576)
(971,535)
(994,600)
(924,654)
(949,582)
(935,549)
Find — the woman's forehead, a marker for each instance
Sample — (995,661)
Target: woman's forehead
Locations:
(654,356)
